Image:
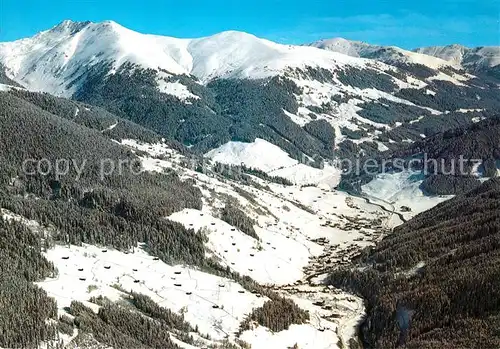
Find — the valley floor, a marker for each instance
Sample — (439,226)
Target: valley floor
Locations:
(304,232)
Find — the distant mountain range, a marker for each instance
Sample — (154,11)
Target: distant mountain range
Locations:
(476,58)
(386,54)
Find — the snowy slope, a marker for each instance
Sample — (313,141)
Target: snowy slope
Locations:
(284,259)
(478,57)
(54,60)
(403,189)
(179,288)
(271,159)
(387,54)
(304,232)
(259,154)
(451,53)
(60,60)
(241,55)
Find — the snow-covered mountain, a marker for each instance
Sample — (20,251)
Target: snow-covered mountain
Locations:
(473,58)
(387,54)
(330,96)
(456,56)
(55,59)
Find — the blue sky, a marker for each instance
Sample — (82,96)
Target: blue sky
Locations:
(405,23)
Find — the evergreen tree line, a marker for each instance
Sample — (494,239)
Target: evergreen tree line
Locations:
(242,173)
(450,97)
(420,71)
(385,111)
(430,125)
(447,184)
(277,314)
(444,150)
(115,325)
(4,79)
(89,116)
(117,211)
(233,215)
(25,309)
(367,78)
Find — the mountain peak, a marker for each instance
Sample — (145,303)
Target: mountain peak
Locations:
(340,45)
(231,36)
(69,26)
(336,40)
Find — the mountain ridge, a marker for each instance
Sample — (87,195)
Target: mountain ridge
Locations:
(386,54)
(475,58)
(223,55)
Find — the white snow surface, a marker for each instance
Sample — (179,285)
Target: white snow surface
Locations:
(484,56)
(259,154)
(271,159)
(305,336)
(402,189)
(157,280)
(51,60)
(176,89)
(387,54)
(242,253)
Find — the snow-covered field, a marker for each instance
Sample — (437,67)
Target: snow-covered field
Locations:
(305,336)
(89,271)
(403,189)
(274,260)
(271,159)
(259,154)
(176,89)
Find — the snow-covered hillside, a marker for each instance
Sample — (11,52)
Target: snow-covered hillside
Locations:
(302,231)
(259,154)
(476,58)
(334,80)
(403,189)
(87,271)
(55,60)
(269,158)
(387,54)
